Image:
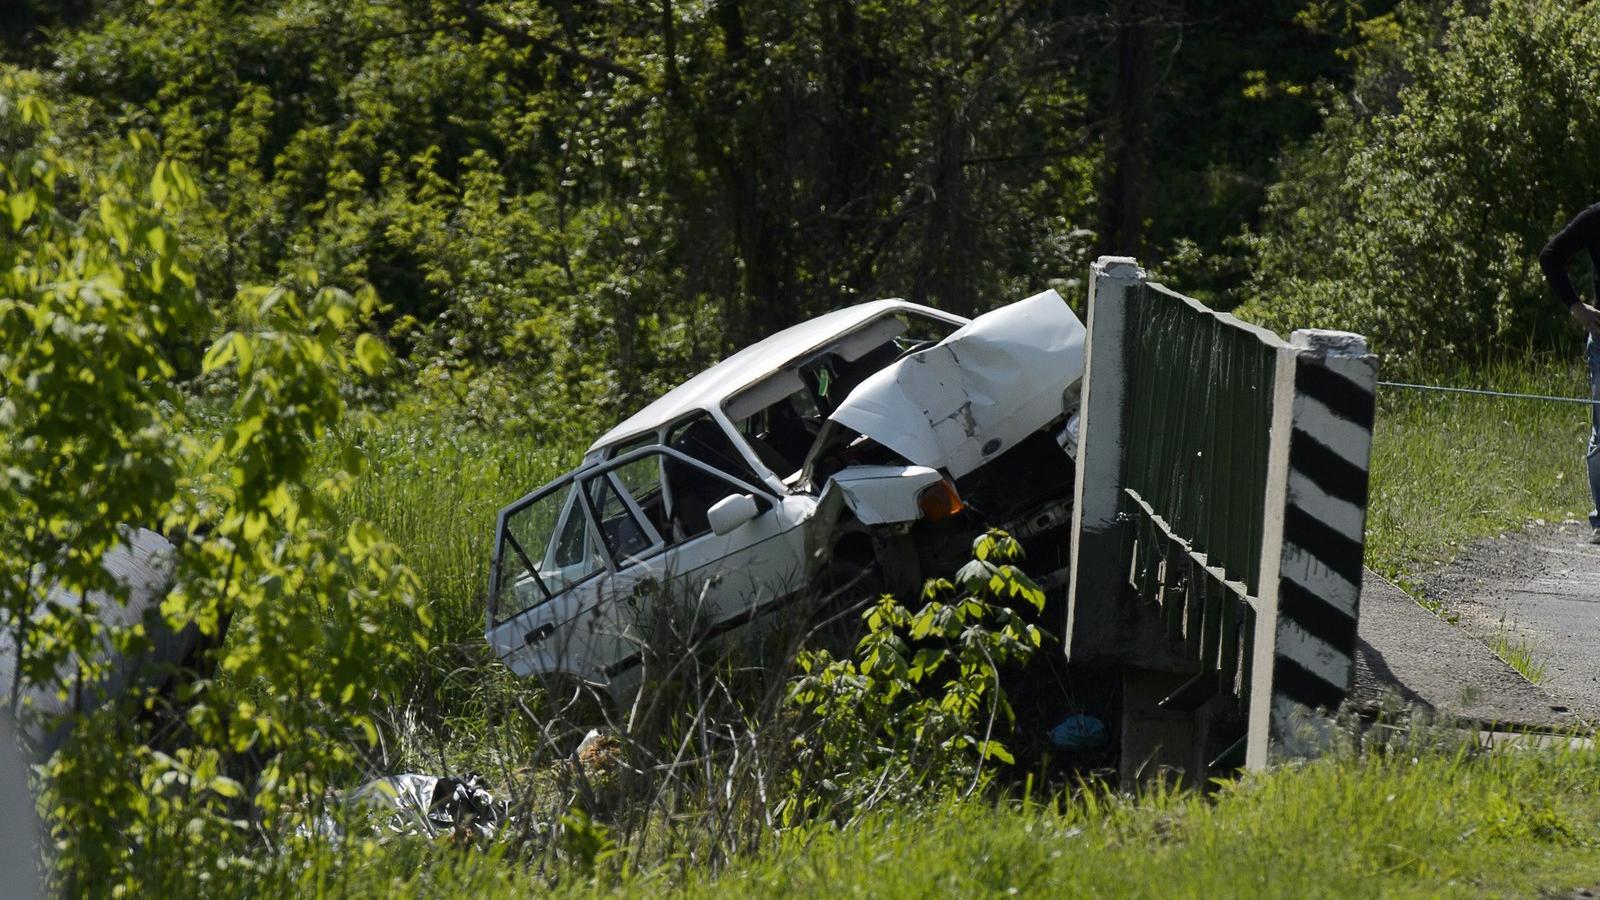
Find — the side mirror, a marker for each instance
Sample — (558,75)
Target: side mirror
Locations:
(732,511)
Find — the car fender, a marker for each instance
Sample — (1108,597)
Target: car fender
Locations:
(881,495)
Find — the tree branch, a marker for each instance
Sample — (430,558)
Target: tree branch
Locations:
(518,37)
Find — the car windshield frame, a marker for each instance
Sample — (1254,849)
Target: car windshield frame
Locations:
(778,386)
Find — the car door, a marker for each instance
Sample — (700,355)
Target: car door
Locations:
(545,611)
(696,586)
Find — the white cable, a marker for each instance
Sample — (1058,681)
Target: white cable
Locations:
(1484,393)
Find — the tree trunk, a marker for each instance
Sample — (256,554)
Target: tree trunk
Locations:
(1126,172)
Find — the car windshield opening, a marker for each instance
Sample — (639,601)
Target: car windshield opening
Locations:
(781,434)
(782,416)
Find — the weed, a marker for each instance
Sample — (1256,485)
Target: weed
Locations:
(1432,604)
(1519,651)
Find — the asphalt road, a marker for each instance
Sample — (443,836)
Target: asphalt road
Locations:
(1407,655)
(1539,586)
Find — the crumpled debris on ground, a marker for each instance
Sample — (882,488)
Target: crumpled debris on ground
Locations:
(428,805)
(599,752)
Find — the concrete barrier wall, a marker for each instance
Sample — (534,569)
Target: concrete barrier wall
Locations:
(1218,525)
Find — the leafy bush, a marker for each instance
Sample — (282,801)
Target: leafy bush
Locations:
(1420,224)
(882,724)
(591,201)
(100,324)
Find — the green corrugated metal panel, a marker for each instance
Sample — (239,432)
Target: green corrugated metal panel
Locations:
(1201,390)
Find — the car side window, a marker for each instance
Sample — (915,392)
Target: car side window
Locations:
(572,543)
(674,496)
(544,550)
(693,491)
(641,478)
(621,529)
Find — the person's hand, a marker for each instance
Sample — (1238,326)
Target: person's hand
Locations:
(1588,317)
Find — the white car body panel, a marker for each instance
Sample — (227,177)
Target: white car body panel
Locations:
(976,393)
(715,586)
(710,389)
(883,495)
(592,630)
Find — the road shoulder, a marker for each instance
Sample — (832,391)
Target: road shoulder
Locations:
(1405,651)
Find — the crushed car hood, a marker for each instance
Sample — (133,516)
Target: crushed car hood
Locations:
(958,404)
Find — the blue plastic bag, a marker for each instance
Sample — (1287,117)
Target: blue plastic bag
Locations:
(1079,732)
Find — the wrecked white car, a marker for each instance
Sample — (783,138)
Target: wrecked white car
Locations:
(879,438)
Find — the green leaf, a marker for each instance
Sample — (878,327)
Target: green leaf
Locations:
(22,206)
(244,350)
(220,354)
(371,355)
(997,750)
(34,110)
(182,182)
(158,183)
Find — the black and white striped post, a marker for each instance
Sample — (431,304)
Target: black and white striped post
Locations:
(1313,540)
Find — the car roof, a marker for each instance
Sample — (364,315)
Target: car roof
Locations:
(711,387)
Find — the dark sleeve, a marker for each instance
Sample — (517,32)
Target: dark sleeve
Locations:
(1582,233)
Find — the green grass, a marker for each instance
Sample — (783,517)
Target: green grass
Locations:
(1403,825)
(1519,651)
(434,489)
(1405,821)
(1448,469)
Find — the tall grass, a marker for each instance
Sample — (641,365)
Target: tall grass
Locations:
(434,488)
(1450,468)
(1403,821)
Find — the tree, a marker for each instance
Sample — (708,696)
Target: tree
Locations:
(1420,225)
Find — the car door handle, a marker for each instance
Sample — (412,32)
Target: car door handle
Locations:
(538,634)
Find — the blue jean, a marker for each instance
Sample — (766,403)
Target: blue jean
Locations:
(1593,352)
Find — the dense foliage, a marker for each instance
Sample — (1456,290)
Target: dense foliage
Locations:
(567,206)
(1417,215)
(99,317)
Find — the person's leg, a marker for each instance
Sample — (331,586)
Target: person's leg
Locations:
(1592,351)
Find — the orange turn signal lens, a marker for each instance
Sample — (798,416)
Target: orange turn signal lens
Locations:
(939,501)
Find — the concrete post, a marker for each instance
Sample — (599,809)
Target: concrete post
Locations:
(1094,626)
(1315,519)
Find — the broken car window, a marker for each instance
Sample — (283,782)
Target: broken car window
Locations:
(544,549)
(782,433)
(922,329)
(672,495)
(694,491)
(703,439)
(622,530)
(641,478)
(781,416)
